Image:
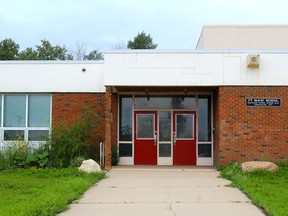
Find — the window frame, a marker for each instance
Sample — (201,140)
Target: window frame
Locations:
(26,128)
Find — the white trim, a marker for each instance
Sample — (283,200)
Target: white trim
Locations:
(165,160)
(208,161)
(126,161)
(26,128)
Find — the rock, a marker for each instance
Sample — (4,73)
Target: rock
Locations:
(89,166)
(256,165)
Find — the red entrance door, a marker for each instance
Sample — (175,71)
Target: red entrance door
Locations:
(184,138)
(145,137)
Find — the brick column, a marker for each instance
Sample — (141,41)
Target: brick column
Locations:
(108,127)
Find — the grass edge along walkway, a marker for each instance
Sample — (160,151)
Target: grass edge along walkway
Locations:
(42,191)
(267,190)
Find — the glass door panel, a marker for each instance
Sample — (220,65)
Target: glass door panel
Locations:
(165,138)
(145,126)
(185,126)
(164,126)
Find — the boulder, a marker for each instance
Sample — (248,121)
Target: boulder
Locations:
(258,165)
(89,166)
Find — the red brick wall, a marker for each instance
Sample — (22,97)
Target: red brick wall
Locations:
(251,133)
(111,112)
(216,126)
(69,107)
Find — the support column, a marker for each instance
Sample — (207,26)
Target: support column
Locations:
(108,127)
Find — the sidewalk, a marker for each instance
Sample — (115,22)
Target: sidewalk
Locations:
(181,191)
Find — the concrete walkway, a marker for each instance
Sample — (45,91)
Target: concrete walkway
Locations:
(149,191)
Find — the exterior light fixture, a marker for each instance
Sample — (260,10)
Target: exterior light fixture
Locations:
(185,93)
(147,94)
(253,61)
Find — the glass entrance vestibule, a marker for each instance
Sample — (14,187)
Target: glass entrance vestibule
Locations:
(165,130)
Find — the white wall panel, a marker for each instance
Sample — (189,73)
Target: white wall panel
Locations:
(195,68)
(16,76)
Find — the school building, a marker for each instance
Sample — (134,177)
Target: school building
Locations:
(225,101)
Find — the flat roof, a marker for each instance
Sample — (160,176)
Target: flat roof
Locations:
(51,62)
(195,51)
(245,26)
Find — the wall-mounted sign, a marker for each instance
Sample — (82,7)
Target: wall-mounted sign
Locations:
(263,102)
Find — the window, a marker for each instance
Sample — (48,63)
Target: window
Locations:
(165,102)
(164,150)
(25,117)
(185,126)
(39,111)
(125,119)
(13,135)
(204,150)
(14,110)
(145,126)
(38,135)
(125,150)
(204,118)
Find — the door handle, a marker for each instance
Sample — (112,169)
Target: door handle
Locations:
(155,138)
(174,138)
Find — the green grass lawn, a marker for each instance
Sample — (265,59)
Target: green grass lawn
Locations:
(42,191)
(267,190)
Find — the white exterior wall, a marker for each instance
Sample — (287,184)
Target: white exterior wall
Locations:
(264,37)
(142,68)
(194,69)
(54,76)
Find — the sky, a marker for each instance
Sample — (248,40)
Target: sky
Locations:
(102,24)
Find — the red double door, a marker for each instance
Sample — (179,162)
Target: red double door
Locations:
(182,137)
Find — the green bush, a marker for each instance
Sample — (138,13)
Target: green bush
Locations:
(115,156)
(19,154)
(67,147)
(68,141)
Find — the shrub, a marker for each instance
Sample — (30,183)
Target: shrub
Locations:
(68,141)
(115,156)
(19,154)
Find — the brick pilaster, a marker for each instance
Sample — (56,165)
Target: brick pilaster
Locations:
(108,127)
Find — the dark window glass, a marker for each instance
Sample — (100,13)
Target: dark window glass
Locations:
(125,119)
(13,135)
(125,150)
(204,118)
(145,126)
(185,126)
(169,102)
(204,150)
(164,150)
(164,126)
(38,135)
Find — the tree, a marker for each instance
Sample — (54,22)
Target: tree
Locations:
(28,54)
(79,52)
(8,49)
(142,41)
(120,45)
(94,55)
(45,51)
